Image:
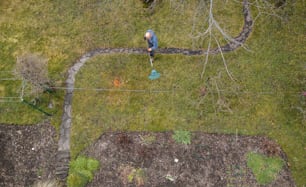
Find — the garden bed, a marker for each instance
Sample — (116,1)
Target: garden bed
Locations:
(156,159)
(140,158)
(27,154)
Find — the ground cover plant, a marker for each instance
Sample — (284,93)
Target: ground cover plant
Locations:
(81,171)
(264,168)
(265,97)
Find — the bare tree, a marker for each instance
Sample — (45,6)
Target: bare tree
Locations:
(212,23)
(33,69)
(211,33)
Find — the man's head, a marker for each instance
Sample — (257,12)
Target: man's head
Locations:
(147,36)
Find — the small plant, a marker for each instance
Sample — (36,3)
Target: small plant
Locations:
(138,176)
(264,168)
(81,171)
(129,174)
(147,139)
(183,137)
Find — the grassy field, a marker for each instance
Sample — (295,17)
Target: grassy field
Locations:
(264,99)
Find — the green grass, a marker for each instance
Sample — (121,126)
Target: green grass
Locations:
(265,98)
(63,30)
(265,169)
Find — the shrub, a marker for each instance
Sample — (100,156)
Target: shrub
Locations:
(264,168)
(81,171)
(34,69)
(183,137)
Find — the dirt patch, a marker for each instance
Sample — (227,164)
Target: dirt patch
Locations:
(155,159)
(27,154)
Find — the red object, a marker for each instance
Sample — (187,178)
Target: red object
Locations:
(117,82)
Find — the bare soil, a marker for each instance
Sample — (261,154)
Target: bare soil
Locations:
(27,154)
(155,159)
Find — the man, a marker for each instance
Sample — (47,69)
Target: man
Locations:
(151,39)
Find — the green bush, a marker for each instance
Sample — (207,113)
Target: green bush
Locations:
(183,137)
(264,168)
(81,171)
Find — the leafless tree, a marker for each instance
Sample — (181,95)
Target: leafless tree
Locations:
(211,33)
(208,33)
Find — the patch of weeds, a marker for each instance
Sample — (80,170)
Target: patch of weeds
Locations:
(129,174)
(82,171)
(264,168)
(124,172)
(147,139)
(183,137)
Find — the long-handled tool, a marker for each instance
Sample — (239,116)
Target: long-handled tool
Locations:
(154,74)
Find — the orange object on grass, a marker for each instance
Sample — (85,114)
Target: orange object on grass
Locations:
(117,82)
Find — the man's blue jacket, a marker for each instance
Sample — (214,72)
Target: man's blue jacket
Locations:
(153,43)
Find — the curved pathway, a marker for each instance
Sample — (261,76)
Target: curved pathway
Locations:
(63,155)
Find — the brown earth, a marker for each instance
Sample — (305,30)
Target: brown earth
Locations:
(155,159)
(27,154)
(138,158)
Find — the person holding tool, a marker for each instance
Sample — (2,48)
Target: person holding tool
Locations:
(151,39)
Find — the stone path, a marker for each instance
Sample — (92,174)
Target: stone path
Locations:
(63,155)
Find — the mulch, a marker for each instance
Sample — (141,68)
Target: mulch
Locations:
(155,159)
(27,154)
